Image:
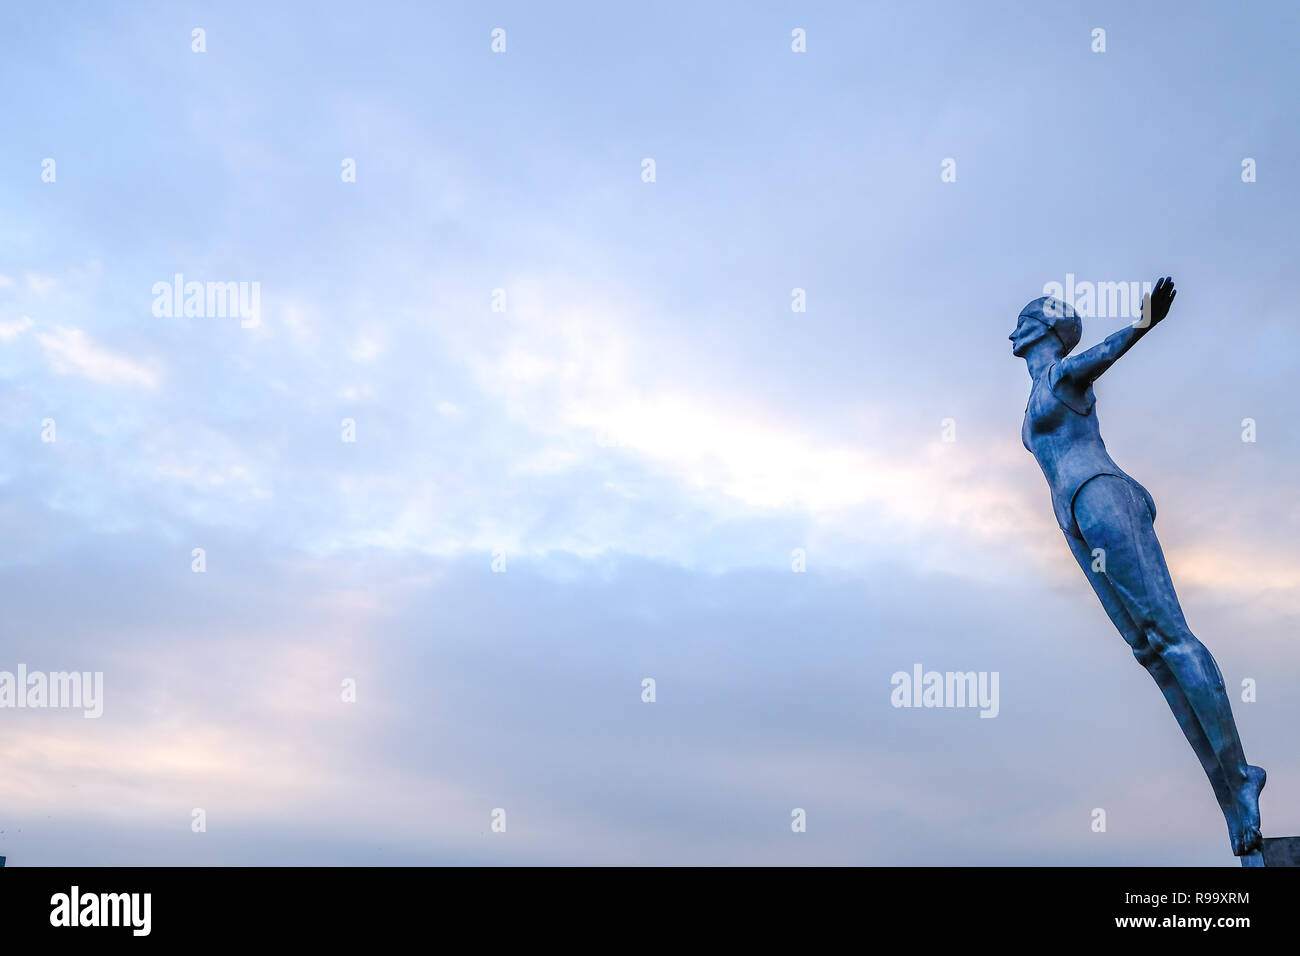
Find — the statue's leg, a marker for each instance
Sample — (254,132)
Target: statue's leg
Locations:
(1112,515)
(1156,667)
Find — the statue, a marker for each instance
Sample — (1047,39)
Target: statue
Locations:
(1108,521)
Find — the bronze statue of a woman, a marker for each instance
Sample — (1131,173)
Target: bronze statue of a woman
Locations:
(1108,520)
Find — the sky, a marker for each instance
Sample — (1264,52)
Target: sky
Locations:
(518,427)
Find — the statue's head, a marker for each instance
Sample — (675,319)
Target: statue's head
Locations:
(1047,317)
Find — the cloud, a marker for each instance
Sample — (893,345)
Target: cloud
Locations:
(11,330)
(594,379)
(40,284)
(357,393)
(478,690)
(369,345)
(70,352)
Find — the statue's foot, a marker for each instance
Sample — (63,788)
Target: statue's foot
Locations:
(1243,822)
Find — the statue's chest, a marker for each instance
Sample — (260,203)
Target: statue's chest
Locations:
(1043,415)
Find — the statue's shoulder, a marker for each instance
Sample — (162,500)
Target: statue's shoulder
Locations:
(1081,401)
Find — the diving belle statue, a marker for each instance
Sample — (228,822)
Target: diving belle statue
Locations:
(1108,521)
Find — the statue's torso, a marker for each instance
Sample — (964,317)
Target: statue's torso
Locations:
(1067,443)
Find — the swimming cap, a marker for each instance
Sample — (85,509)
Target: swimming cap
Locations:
(1058,316)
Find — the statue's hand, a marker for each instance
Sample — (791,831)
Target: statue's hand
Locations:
(1155,306)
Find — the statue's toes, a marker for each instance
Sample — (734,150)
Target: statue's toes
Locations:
(1247,840)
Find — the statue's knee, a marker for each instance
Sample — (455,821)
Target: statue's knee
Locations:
(1170,640)
(1145,654)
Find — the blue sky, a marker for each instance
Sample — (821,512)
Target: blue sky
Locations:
(647,432)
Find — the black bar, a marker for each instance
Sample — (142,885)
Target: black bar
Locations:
(661,907)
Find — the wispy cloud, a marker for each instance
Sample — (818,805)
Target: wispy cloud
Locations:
(71,352)
(40,284)
(11,330)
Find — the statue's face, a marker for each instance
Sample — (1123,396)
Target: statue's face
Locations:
(1027,332)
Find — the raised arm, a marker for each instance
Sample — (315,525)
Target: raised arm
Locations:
(1083,369)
